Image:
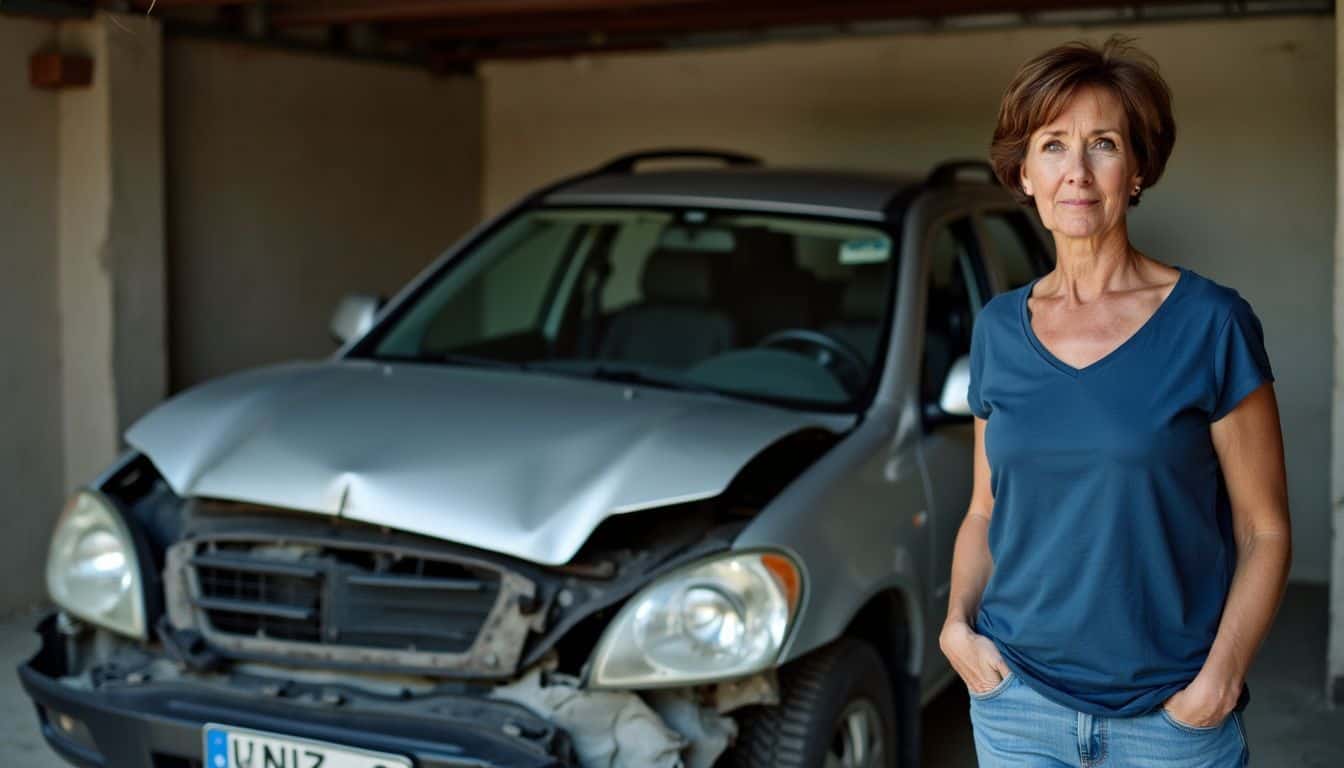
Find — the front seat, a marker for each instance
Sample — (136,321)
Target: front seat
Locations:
(861,311)
(675,325)
(765,290)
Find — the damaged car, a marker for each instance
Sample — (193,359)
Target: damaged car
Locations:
(660,467)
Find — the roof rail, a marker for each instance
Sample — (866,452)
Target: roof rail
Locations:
(947,172)
(627,163)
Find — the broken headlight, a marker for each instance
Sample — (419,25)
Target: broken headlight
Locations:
(714,620)
(93,571)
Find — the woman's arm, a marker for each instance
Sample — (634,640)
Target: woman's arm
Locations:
(1249,445)
(973,656)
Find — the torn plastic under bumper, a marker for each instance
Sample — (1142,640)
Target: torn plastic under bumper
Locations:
(159,723)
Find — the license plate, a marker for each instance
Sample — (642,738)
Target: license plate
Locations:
(230,747)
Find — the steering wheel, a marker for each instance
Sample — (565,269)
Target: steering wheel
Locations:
(836,356)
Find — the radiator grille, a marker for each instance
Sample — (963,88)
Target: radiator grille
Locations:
(342,596)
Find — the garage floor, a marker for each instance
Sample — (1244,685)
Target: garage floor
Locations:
(1288,722)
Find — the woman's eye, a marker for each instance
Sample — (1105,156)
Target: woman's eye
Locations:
(1053,146)
(1106,144)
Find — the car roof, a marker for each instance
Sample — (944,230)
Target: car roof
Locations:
(844,194)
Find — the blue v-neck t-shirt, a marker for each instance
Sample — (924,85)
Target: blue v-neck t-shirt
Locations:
(1111,532)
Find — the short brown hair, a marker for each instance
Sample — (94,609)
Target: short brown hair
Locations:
(1043,86)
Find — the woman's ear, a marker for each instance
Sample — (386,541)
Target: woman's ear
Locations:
(1023,181)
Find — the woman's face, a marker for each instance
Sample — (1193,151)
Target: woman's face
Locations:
(1080,167)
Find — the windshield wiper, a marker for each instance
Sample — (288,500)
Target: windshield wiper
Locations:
(476,361)
(633,376)
(617,374)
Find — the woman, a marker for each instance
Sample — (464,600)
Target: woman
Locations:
(1127,541)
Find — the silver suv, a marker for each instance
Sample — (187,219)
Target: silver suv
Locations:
(657,468)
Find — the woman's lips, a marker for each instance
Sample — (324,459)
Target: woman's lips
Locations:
(1079,203)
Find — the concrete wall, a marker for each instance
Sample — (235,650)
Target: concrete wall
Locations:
(30,385)
(295,179)
(136,215)
(1247,199)
(1335,656)
(110,235)
(81,305)
(85,171)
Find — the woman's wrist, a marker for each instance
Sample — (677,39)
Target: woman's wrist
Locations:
(962,611)
(1222,683)
(957,624)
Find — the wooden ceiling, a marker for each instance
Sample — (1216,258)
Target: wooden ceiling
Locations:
(448,31)
(680,15)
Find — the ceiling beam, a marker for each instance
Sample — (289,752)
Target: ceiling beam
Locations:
(162,5)
(568,16)
(712,16)
(354,11)
(351,11)
(698,17)
(456,31)
(486,17)
(49,9)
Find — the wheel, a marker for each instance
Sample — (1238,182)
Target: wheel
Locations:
(836,710)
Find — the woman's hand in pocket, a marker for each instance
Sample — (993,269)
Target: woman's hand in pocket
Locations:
(973,656)
(1203,703)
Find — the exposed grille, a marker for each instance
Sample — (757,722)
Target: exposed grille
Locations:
(342,596)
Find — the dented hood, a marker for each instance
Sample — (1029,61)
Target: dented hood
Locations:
(527,464)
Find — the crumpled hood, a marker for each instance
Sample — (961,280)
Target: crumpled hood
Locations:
(526,464)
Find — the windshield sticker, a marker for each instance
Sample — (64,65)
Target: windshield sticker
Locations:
(873,250)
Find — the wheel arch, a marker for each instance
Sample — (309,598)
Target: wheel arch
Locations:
(891,622)
(888,621)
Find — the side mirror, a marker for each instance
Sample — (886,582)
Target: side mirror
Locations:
(953,400)
(354,316)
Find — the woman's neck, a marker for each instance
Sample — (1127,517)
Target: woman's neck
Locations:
(1085,268)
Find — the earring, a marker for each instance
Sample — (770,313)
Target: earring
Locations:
(1136,190)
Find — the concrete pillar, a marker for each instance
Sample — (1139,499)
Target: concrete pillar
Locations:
(1335,656)
(111,238)
(31,467)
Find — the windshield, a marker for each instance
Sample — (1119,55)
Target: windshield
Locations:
(780,308)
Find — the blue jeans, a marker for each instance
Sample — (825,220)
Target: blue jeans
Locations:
(1016,726)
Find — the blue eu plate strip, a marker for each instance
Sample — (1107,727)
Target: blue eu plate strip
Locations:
(216,749)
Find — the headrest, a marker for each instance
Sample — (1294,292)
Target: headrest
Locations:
(865,297)
(678,277)
(760,249)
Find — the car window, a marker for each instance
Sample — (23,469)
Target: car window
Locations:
(787,308)
(955,295)
(1013,244)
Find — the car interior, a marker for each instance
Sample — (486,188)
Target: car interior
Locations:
(673,293)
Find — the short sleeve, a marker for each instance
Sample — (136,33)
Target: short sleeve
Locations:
(1240,362)
(978,405)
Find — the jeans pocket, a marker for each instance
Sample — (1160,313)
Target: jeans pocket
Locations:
(992,692)
(1190,728)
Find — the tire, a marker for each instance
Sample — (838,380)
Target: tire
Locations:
(823,697)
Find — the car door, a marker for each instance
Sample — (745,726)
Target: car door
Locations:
(956,289)
(1016,250)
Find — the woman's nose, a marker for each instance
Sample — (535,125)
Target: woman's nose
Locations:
(1077,171)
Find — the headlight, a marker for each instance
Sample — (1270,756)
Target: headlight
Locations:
(92,568)
(711,621)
